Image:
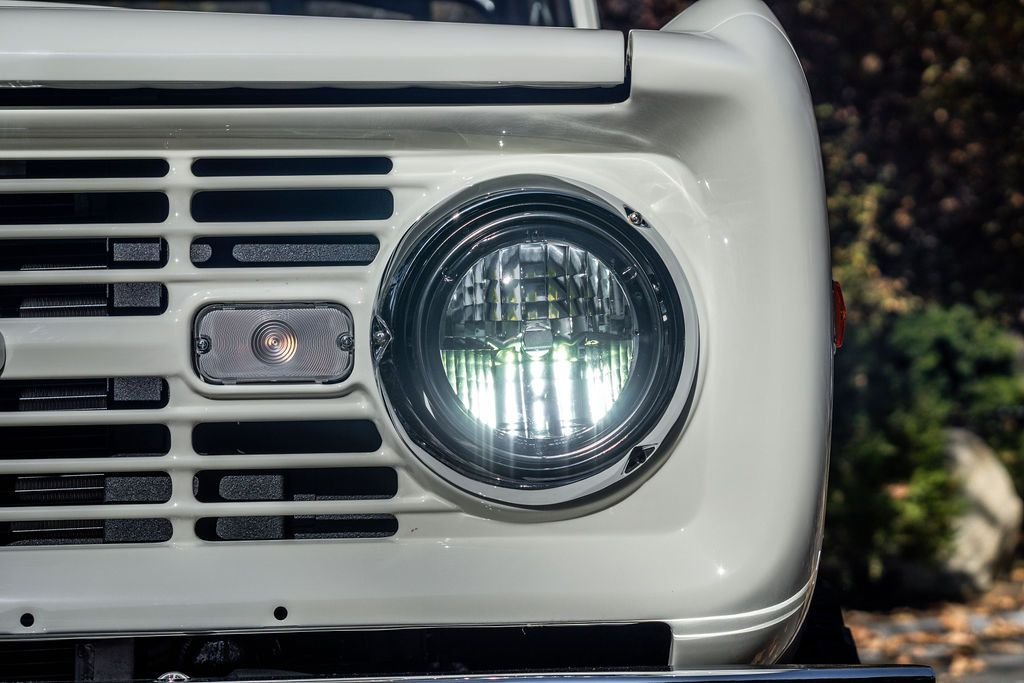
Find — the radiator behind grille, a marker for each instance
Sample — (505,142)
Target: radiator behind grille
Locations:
(84,532)
(308,527)
(85,300)
(84,441)
(113,393)
(83,254)
(84,489)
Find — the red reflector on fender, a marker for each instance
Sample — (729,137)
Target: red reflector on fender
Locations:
(838,314)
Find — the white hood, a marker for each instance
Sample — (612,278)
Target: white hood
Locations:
(79,46)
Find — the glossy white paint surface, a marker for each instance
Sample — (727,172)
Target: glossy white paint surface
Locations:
(131,47)
(716,146)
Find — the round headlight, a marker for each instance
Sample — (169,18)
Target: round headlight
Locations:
(535,340)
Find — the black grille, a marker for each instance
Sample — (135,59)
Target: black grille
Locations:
(304,527)
(82,254)
(291,166)
(41,208)
(355,483)
(37,661)
(84,441)
(82,168)
(234,206)
(292,251)
(279,438)
(113,393)
(84,532)
(79,301)
(84,489)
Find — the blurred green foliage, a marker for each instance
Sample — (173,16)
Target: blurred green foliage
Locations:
(920,106)
(903,378)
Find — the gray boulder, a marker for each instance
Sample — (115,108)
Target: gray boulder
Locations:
(986,533)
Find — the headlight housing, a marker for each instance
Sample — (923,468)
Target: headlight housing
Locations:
(533,346)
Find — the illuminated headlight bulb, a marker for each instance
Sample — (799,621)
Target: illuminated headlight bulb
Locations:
(538,340)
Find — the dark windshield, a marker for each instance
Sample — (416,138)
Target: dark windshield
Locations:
(527,12)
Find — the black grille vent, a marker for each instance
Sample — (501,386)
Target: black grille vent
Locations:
(84,531)
(83,254)
(113,393)
(31,661)
(312,96)
(233,206)
(42,208)
(84,441)
(84,489)
(82,168)
(79,301)
(291,166)
(309,527)
(280,438)
(327,250)
(357,483)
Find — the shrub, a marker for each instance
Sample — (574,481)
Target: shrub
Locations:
(903,378)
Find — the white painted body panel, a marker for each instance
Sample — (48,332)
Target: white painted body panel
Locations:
(716,144)
(131,47)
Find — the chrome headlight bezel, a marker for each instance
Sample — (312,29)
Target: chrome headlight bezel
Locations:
(419,281)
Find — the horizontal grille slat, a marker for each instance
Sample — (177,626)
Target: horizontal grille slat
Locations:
(87,300)
(233,206)
(280,438)
(43,208)
(255,251)
(290,166)
(85,531)
(357,483)
(84,441)
(117,393)
(309,527)
(84,489)
(82,168)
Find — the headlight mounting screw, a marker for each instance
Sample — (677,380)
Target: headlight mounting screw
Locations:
(346,342)
(635,218)
(203,345)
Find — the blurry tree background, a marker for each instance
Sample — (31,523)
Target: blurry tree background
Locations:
(920,108)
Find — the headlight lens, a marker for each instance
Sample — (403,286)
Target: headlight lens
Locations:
(538,340)
(534,339)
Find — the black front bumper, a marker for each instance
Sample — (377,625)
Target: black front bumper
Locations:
(797,674)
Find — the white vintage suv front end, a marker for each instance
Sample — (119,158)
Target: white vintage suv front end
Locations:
(364,335)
